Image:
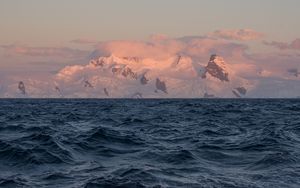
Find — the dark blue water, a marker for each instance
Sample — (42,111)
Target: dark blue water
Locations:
(150,143)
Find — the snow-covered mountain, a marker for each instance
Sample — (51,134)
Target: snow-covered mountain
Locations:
(180,76)
(176,77)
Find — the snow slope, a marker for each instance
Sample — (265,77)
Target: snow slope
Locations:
(179,76)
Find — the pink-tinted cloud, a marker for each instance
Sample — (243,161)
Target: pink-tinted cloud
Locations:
(157,49)
(164,47)
(237,34)
(203,46)
(294,45)
(273,63)
(199,48)
(62,52)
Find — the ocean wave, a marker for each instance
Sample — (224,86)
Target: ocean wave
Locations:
(149,143)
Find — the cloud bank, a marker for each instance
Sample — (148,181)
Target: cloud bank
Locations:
(237,34)
(230,44)
(62,52)
(164,47)
(294,45)
(199,48)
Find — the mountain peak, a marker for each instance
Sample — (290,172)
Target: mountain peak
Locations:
(216,67)
(213,57)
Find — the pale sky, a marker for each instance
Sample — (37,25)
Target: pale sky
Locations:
(45,23)
(42,22)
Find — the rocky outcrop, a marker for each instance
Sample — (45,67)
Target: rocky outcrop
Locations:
(137,95)
(242,90)
(206,95)
(132,59)
(144,80)
(22,88)
(57,89)
(125,72)
(87,84)
(179,57)
(239,92)
(161,85)
(216,68)
(97,63)
(116,70)
(106,92)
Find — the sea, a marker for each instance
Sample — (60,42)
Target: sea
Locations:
(156,143)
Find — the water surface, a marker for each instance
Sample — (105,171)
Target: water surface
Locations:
(149,143)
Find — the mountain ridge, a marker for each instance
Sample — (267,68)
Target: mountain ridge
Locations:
(111,76)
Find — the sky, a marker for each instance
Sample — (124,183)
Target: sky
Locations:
(40,35)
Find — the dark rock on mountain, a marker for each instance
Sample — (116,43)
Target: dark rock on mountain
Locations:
(22,88)
(88,84)
(178,59)
(236,94)
(124,71)
(161,85)
(239,92)
(116,70)
(127,72)
(133,59)
(106,92)
(137,95)
(242,90)
(206,95)
(144,80)
(57,89)
(216,68)
(97,63)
